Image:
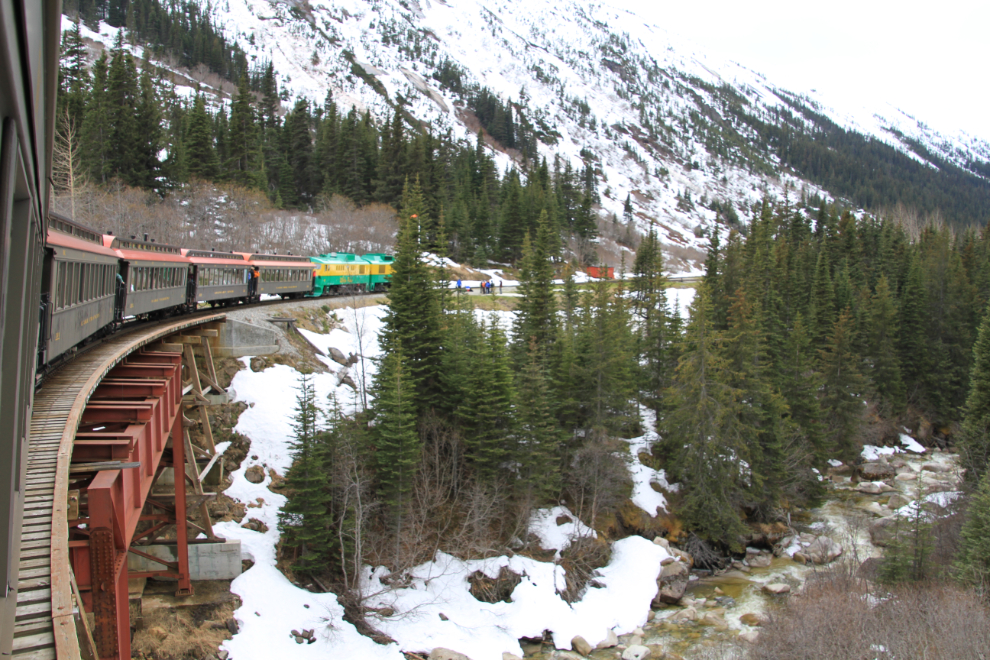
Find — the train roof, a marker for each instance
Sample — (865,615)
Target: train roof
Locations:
(378,258)
(66,233)
(276,260)
(132,249)
(338,258)
(215,258)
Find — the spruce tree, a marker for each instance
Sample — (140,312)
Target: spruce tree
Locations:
(121,108)
(843,388)
(245,165)
(974,440)
(96,144)
(883,340)
(537,446)
(973,560)
(200,154)
(536,317)
(488,411)
(305,521)
(703,435)
(398,445)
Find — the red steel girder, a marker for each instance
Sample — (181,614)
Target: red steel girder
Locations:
(130,417)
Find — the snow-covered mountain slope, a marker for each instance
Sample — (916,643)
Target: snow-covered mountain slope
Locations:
(658,119)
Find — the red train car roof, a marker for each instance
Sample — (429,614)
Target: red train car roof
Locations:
(279,260)
(134,250)
(229,259)
(58,239)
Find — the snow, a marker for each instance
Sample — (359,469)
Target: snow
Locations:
(872,453)
(680,301)
(911,444)
(834,463)
(483,631)
(644,496)
(553,536)
(940,500)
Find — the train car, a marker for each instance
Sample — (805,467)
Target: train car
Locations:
(81,275)
(380,271)
(155,277)
(285,275)
(219,278)
(340,273)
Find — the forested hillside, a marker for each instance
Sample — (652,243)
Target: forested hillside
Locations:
(182,94)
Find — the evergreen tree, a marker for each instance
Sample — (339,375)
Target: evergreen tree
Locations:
(883,336)
(121,108)
(304,521)
(538,435)
(974,440)
(842,389)
(245,164)
(200,154)
(96,144)
(536,318)
(397,443)
(973,560)
(703,436)
(487,416)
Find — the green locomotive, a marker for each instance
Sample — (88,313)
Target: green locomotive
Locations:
(343,273)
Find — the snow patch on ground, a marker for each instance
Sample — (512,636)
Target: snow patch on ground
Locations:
(872,453)
(553,536)
(911,444)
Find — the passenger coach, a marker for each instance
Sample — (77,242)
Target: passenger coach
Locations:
(155,276)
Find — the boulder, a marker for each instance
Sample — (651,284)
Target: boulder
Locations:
(672,583)
(158,633)
(446,654)
(510,656)
(347,380)
(338,357)
(581,645)
(754,619)
(759,561)
(777,589)
(897,500)
(255,474)
(871,487)
(611,640)
(662,542)
(876,471)
(687,614)
(713,619)
(749,636)
(906,476)
(352,359)
(934,467)
(883,531)
(637,652)
(875,508)
(726,601)
(822,550)
(683,556)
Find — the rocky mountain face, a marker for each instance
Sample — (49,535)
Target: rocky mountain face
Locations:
(687,139)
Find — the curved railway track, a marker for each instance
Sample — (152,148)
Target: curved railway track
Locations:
(46,614)
(44,624)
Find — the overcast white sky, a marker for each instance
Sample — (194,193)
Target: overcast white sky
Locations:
(931,61)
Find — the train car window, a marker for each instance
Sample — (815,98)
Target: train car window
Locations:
(60,288)
(91,282)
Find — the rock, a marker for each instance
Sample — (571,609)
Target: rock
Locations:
(683,556)
(444,617)
(906,476)
(822,550)
(869,569)
(510,656)
(638,631)
(667,560)
(870,487)
(672,583)
(662,542)
(255,474)
(446,654)
(636,640)
(760,561)
(611,640)
(882,531)
(713,619)
(840,470)
(726,601)
(777,589)
(687,614)
(232,626)
(347,380)
(750,636)
(897,500)
(934,467)
(581,645)
(299,640)
(158,633)
(352,359)
(754,619)
(875,508)
(799,558)
(223,655)
(337,356)
(258,364)
(876,471)
(719,592)
(566,655)
(637,652)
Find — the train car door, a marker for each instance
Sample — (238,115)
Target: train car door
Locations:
(120,299)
